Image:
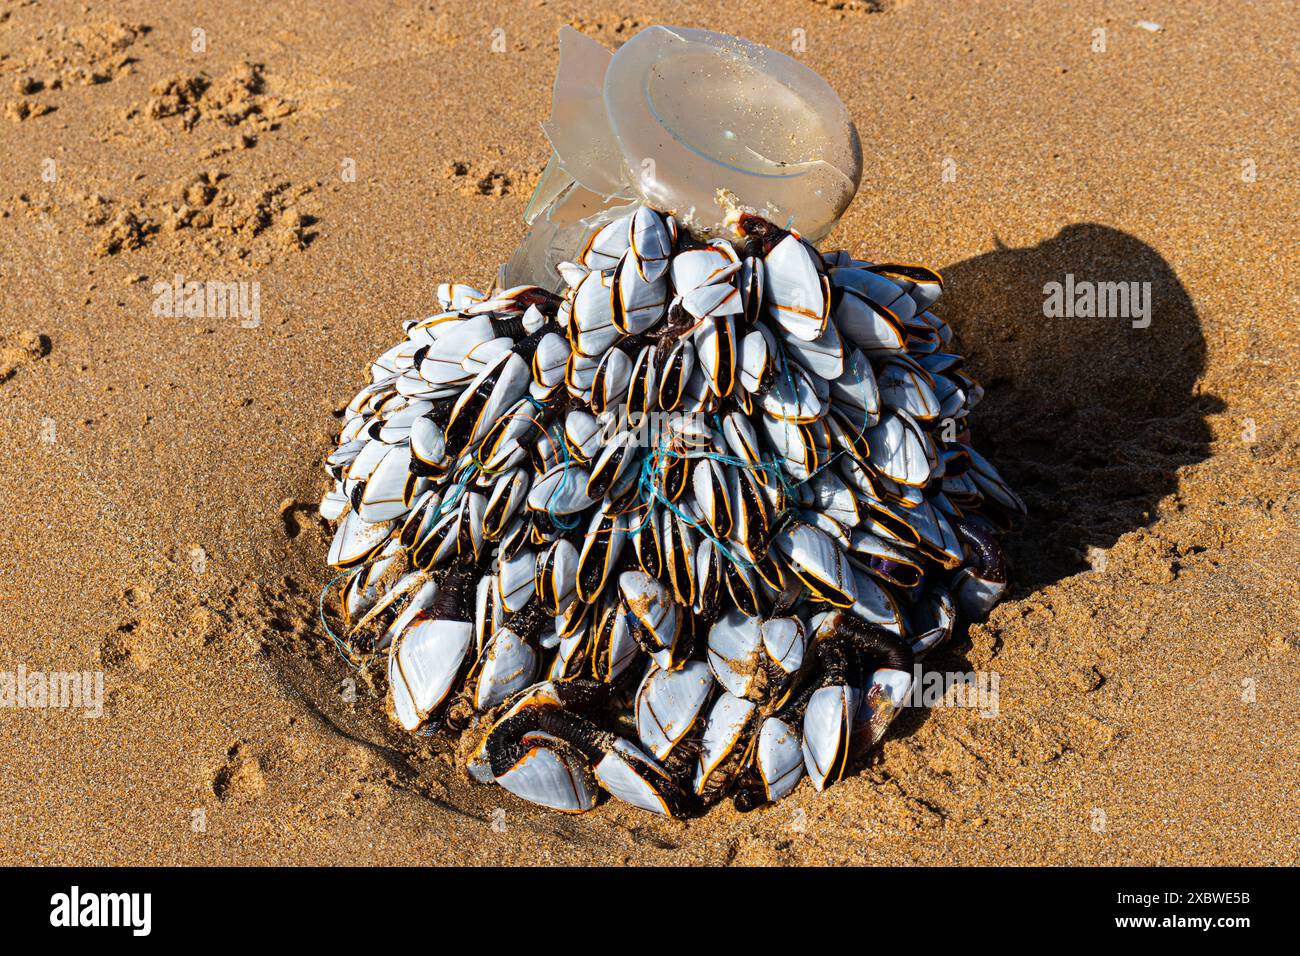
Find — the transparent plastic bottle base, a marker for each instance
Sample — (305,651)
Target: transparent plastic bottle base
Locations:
(699,124)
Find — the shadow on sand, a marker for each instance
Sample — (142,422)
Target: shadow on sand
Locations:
(1089,419)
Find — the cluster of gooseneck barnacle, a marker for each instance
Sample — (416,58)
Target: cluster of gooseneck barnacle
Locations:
(676,533)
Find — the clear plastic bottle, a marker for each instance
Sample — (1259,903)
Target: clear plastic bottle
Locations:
(691,122)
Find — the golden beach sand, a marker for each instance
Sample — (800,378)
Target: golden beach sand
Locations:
(160,473)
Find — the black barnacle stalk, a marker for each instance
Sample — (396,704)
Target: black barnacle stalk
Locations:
(455,597)
(985,549)
(761,236)
(548,726)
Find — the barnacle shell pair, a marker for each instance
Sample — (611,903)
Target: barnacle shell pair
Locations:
(681,528)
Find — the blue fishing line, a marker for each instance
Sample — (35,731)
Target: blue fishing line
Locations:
(557,439)
(444,507)
(656,465)
(450,499)
(345,650)
(646,484)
